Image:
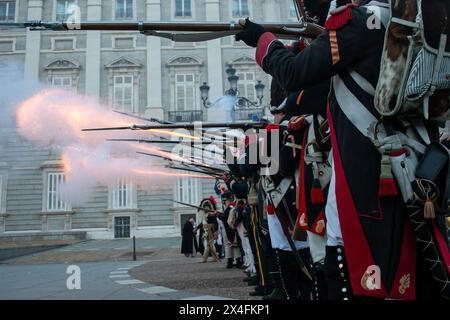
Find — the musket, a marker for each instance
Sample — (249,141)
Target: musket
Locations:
(189,126)
(300,10)
(143,118)
(186,161)
(182,142)
(212,174)
(288,236)
(197,207)
(190,31)
(157,121)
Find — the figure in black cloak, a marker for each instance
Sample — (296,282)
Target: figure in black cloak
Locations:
(189,242)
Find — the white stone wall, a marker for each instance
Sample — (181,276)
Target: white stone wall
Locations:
(93,52)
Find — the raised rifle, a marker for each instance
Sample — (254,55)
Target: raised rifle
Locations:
(189,126)
(191,161)
(131,115)
(176,31)
(142,118)
(197,207)
(189,169)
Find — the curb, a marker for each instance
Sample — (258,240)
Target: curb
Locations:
(121,276)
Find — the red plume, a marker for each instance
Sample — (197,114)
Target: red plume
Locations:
(213,200)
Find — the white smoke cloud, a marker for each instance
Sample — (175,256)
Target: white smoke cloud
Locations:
(54,118)
(222,110)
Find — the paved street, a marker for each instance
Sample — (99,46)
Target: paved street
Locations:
(99,250)
(161,272)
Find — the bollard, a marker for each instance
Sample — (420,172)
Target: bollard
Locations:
(134,248)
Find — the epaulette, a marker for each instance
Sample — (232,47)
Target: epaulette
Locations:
(297,123)
(340,17)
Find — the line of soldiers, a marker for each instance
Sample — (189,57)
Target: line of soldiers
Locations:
(331,222)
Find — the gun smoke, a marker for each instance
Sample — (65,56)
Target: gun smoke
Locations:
(53,118)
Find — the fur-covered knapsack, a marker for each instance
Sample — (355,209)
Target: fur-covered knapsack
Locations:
(406,84)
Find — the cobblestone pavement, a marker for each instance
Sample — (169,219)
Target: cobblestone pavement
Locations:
(170,269)
(98,250)
(161,273)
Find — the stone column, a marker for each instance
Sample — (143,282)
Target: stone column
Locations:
(154,65)
(214,55)
(33,42)
(93,44)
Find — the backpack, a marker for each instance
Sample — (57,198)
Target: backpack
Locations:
(426,70)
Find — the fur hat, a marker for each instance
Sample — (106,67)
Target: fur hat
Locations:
(207,203)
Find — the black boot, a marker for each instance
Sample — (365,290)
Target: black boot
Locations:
(250,278)
(259,291)
(238,263)
(277,292)
(288,274)
(229,263)
(320,290)
(339,287)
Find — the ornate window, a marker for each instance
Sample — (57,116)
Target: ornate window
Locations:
(122,195)
(123,82)
(63,74)
(122,227)
(184,75)
(185,91)
(183,8)
(239,8)
(246,84)
(64,9)
(53,201)
(187,190)
(7,11)
(60,81)
(124,9)
(246,71)
(123,93)
(248,74)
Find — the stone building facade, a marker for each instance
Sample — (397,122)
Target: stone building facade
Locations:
(129,72)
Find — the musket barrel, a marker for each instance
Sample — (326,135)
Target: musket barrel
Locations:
(155,26)
(190,126)
(230,28)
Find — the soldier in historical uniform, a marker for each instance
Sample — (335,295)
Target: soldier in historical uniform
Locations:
(228,231)
(210,228)
(304,153)
(373,226)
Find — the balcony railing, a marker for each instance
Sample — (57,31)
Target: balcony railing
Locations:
(248,114)
(185,116)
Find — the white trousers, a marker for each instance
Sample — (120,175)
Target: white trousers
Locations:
(248,257)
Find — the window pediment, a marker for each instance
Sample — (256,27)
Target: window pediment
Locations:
(123,62)
(61,64)
(184,61)
(244,60)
